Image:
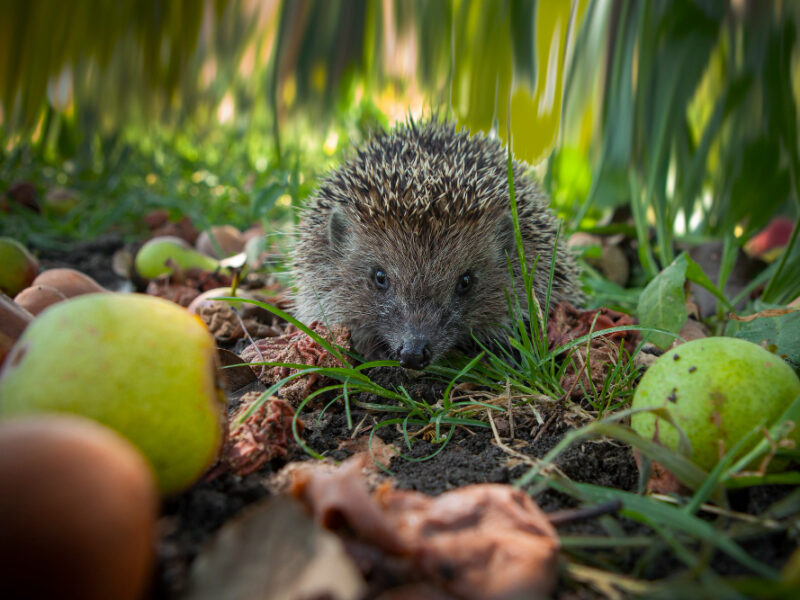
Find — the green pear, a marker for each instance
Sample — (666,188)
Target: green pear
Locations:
(140,365)
(716,389)
(18,267)
(154,257)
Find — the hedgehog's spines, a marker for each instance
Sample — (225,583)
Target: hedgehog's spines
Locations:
(435,166)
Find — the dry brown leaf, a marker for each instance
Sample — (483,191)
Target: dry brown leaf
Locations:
(480,541)
(661,481)
(179,294)
(273,551)
(770,312)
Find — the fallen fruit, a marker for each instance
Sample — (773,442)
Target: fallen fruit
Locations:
(141,365)
(716,389)
(18,267)
(69,282)
(13,321)
(205,299)
(36,298)
(60,200)
(220,241)
(23,193)
(77,512)
(154,257)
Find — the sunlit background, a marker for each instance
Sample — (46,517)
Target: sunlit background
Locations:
(682,113)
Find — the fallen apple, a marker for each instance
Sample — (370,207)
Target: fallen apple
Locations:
(140,365)
(716,389)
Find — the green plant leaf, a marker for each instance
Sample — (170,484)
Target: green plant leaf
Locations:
(663,304)
(760,181)
(695,273)
(780,332)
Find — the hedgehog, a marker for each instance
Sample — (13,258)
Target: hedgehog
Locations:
(408,243)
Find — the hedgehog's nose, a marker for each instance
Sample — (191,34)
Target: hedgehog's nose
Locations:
(415,353)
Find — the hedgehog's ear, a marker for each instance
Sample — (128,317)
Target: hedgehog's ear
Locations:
(504,234)
(338,226)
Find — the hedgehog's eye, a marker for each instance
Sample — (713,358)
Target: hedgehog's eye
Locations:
(380,279)
(464,283)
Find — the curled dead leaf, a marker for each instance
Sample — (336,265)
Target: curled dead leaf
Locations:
(480,541)
(273,551)
(770,312)
(661,480)
(228,320)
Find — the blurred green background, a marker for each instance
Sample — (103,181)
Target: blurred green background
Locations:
(664,120)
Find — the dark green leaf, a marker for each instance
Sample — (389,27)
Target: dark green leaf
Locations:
(781,333)
(663,303)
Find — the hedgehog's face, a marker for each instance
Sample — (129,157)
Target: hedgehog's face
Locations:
(419,294)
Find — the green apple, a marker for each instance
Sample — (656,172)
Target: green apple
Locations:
(716,390)
(140,365)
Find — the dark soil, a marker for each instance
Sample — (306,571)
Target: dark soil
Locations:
(93,258)
(471,456)
(190,520)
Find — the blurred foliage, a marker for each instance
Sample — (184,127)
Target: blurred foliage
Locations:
(697,127)
(179,61)
(111,52)
(682,112)
(223,174)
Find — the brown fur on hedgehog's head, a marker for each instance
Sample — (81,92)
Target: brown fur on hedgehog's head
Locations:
(406,243)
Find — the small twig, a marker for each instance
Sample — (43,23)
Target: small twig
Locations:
(510,451)
(717,510)
(562,517)
(544,427)
(357,429)
(606,582)
(578,373)
(510,409)
(251,340)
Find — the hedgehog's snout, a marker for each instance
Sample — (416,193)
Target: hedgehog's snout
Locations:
(415,352)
